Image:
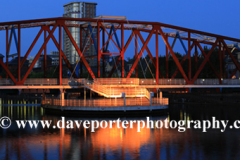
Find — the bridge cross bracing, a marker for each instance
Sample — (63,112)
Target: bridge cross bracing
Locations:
(102,26)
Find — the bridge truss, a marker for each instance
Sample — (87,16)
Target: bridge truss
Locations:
(105,29)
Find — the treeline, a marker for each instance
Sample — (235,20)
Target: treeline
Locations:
(206,72)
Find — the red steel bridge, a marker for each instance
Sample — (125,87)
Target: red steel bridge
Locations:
(108,29)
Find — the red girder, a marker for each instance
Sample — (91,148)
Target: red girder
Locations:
(122,49)
(149,52)
(125,48)
(189,56)
(63,55)
(205,61)
(140,53)
(8,72)
(183,38)
(182,62)
(157,68)
(173,55)
(98,50)
(176,71)
(136,53)
(210,64)
(30,48)
(60,53)
(7,51)
(103,25)
(103,65)
(45,56)
(118,21)
(78,50)
(19,53)
(166,59)
(32,45)
(110,38)
(147,49)
(39,53)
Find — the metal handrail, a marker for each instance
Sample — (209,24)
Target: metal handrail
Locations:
(118,81)
(105,102)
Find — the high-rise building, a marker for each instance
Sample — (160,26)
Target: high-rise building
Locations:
(78,10)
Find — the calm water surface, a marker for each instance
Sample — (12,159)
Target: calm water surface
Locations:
(120,143)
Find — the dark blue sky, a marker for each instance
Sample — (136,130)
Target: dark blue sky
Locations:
(219,17)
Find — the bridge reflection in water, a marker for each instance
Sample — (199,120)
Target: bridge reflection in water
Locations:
(119,143)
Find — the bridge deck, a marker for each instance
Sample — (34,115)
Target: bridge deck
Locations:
(52,83)
(117,86)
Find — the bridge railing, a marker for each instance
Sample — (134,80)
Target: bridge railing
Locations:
(137,81)
(105,102)
(183,82)
(41,81)
(216,82)
(162,82)
(6,82)
(206,82)
(231,82)
(117,81)
(44,81)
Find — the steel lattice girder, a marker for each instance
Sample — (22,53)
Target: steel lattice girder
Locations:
(102,25)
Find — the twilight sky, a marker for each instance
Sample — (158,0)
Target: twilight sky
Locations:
(219,17)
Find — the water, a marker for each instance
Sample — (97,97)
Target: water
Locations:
(121,143)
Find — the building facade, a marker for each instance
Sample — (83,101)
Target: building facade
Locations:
(54,55)
(78,10)
(229,65)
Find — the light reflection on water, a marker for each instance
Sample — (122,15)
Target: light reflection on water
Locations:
(119,143)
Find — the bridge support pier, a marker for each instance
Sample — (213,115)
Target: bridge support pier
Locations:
(160,97)
(62,97)
(124,101)
(151,95)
